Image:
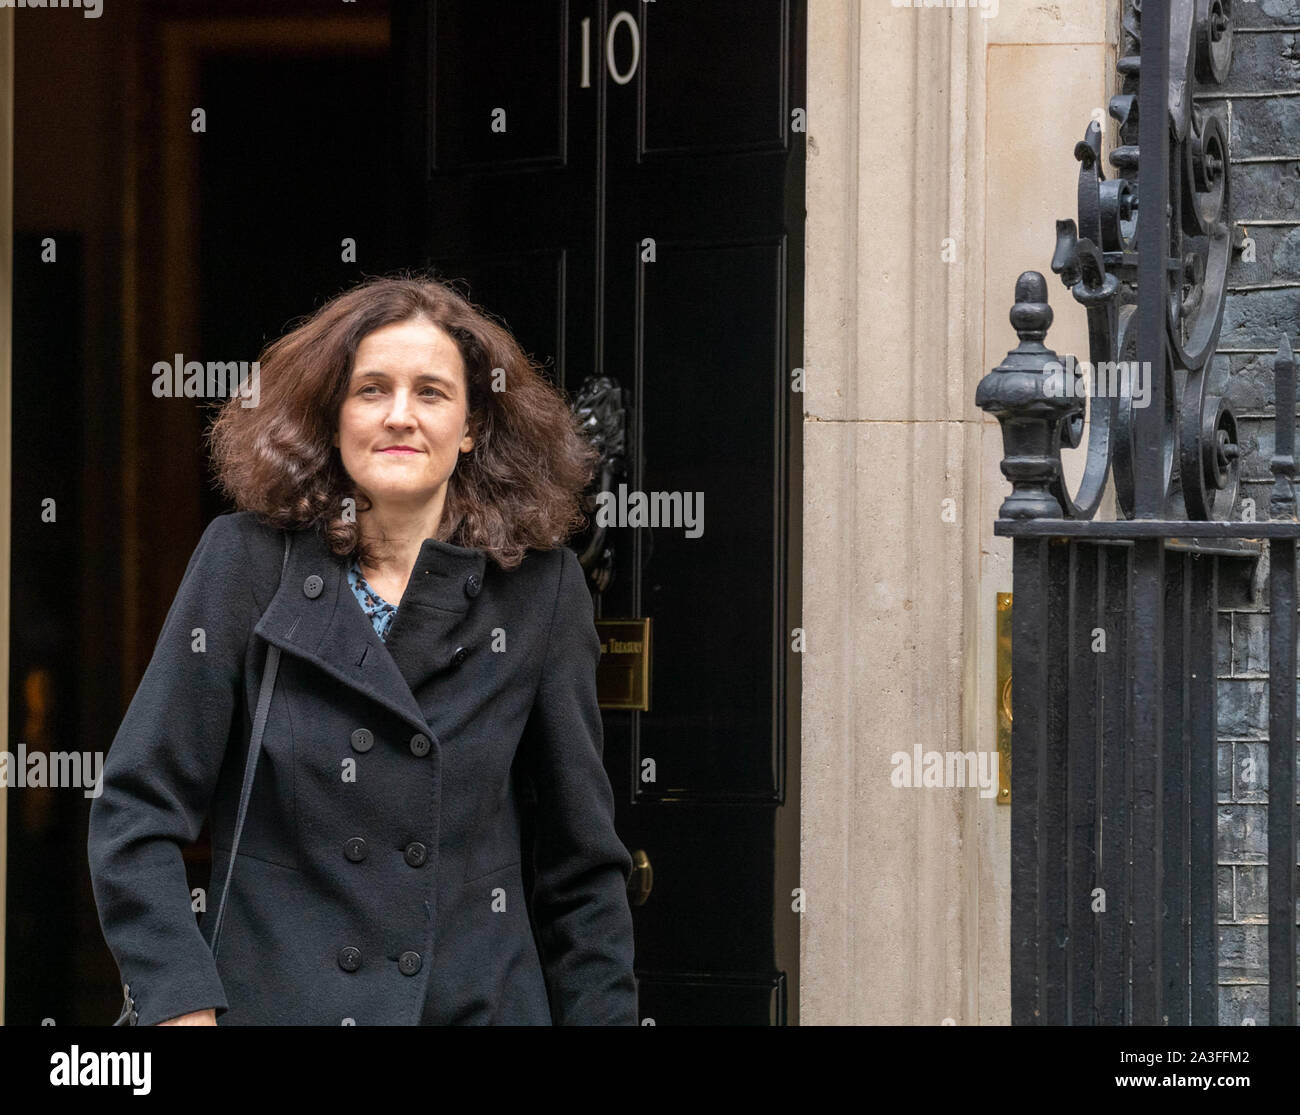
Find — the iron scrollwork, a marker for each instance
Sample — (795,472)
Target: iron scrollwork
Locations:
(1096,258)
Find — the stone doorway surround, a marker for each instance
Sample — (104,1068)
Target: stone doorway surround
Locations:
(940,148)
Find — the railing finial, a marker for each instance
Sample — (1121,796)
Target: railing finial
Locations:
(1028,394)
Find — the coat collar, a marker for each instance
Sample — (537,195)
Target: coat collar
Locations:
(323,623)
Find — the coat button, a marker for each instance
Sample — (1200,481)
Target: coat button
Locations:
(363,739)
(409,963)
(460,656)
(355,849)
(349,958)
(472,585)
(313,586)
(420,745)
(416,853)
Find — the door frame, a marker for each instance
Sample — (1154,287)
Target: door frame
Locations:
(6,420)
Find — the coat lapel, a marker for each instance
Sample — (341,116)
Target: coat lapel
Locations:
(314,616)
(430,624)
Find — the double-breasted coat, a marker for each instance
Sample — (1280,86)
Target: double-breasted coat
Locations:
(381,872)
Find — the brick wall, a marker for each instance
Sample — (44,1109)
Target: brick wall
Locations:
(1263,100)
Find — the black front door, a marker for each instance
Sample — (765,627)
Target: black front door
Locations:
(623,185)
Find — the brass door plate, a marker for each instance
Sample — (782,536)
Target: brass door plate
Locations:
(1003,698)
(623,675)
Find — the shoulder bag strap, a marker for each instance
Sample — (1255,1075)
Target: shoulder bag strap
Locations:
(254,748)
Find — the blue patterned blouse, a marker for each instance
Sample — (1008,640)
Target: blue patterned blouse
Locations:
(380,611)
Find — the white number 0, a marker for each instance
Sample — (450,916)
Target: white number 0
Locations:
(622,19)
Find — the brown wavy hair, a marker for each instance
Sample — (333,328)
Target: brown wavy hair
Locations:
(520,486)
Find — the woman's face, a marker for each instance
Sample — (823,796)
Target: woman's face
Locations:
(405,418)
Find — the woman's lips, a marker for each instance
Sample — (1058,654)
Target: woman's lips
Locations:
(399,449)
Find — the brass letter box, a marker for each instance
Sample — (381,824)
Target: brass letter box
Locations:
(623,676)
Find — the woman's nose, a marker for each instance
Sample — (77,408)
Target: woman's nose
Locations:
(399,414)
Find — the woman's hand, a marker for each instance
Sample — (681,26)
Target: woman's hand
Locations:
(194,1018)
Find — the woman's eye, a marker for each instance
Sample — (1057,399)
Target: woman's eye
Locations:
(371,390)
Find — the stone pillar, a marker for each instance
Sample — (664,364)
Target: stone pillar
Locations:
(939,158)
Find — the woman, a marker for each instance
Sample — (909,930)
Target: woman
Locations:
(433,738)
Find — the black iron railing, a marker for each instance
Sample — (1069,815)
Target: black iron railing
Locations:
(1114,732)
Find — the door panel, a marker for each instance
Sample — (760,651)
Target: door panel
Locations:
(716,78)
(521,46)
(708,322)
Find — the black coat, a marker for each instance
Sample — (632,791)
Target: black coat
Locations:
(381,875)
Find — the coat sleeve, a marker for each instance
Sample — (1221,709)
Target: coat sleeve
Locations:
(158,783)
(580,908)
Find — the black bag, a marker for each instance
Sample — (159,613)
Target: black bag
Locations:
(129,1014)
